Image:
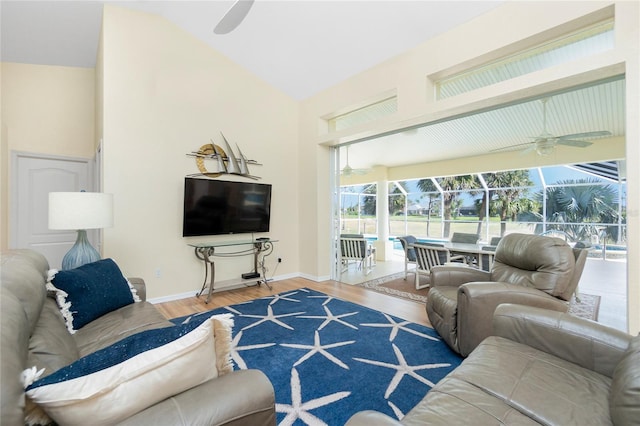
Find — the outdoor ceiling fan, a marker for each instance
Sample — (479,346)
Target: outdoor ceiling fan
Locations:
(545,143)
(347,170)
(233,17)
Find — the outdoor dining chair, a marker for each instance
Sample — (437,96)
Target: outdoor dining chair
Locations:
(428,256)
(354,247)
(464,238)
(409,253)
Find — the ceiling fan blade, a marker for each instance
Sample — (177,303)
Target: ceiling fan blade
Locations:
(573,142)
(586,135)
(513,147)
(233,17)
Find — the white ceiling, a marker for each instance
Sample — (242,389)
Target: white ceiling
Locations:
(300,47)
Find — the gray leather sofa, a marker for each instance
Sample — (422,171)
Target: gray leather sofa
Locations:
(33,332)
(540,367)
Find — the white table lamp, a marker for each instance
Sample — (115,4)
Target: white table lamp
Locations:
(80,211)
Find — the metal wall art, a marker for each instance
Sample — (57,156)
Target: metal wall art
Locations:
(226,161)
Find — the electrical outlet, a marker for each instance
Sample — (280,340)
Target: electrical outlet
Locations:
(279,260)
(158,273)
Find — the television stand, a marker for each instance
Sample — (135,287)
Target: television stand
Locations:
(207,252)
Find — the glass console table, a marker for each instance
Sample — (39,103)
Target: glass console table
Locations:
(258,248)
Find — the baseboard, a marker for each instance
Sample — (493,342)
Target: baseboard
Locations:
(172,297)
(314,278)
(231,285)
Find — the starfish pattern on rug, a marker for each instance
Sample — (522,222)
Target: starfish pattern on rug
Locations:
(338,356)
(396,326)
(233,310)
(403,369)
(329,299)
(270,317)
(235,349)
(330,317)
(399,414)
(278,297)
(300,410)
(318,348)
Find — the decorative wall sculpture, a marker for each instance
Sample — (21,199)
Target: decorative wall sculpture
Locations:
(226,161)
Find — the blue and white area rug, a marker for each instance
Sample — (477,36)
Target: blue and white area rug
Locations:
(328,359)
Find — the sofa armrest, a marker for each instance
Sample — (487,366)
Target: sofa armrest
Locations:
(243,397)
(140,287)
(450,275)
(371,418)
(577,340)
(477,302)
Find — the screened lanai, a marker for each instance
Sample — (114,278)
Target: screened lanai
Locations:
(580,203)
(546,160)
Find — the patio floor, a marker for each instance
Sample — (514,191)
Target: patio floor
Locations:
(605,278)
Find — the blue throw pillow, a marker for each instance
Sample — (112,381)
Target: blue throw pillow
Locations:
(90,291)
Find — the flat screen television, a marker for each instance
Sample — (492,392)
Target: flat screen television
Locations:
(216,207)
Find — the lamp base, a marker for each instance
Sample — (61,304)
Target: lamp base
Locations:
(81,253)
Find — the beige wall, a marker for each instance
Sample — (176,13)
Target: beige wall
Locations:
(510,27)
(167,94)
(47,110)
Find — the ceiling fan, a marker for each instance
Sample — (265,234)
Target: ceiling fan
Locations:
(347,170)
(234,16)
(545,143)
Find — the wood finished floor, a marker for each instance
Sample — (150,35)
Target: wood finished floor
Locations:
(408,310)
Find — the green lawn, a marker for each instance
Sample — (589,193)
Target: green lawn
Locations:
(421,228)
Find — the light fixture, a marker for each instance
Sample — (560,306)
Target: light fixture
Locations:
(80,211)
(545,147)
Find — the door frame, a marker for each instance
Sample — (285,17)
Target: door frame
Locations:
(13,183)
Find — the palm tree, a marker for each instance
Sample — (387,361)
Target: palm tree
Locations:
(427,187)
(507,197)
(369,203)
(397,203)
(580,203)
(450,186)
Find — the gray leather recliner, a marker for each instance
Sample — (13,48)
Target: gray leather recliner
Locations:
(530,270)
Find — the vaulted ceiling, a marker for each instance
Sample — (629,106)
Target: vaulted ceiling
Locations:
(300,47)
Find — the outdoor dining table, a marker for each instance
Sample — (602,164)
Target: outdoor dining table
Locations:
(465,248)
(473,252)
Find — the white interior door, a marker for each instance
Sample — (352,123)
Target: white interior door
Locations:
(33,177)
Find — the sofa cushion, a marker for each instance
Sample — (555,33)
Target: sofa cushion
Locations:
(90,291)
(115,326)
(22,294)
(541,386)
(133,374)
(455,402)
(24,273)
(51,347)
(624,401)
(14,342)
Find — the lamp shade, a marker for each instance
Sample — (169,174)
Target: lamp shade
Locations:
(80,210)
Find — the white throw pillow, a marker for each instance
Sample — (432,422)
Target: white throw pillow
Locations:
(117,382)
